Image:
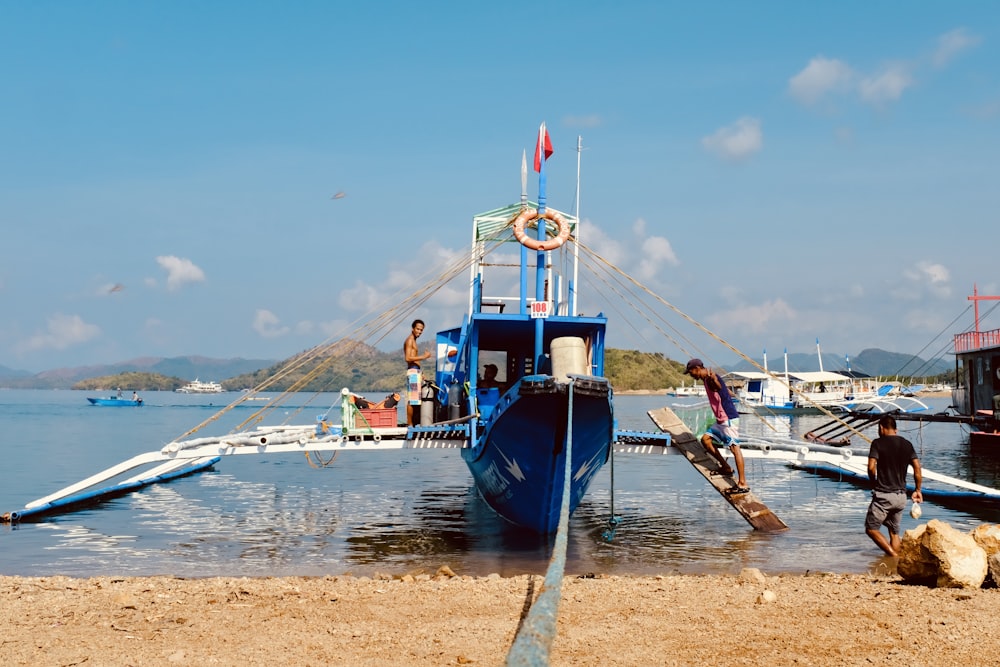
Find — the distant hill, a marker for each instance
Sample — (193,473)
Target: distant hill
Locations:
(351,364)
(872,361)
(12,373)
(186,368)
(364,368)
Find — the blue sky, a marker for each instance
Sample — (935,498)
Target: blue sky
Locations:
(780,171)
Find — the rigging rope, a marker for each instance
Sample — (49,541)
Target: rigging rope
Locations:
(657,298)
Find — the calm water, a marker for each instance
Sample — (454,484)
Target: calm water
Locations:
(405,511)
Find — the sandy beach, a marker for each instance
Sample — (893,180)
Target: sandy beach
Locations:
(750,619)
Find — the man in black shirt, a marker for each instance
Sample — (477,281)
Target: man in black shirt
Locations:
(888,459)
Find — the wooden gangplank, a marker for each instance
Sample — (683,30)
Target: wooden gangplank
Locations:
(748,505)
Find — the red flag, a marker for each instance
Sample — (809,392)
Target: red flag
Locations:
(543,143)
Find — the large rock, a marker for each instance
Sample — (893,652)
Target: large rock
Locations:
(987,536)
(993,562)
(938,555)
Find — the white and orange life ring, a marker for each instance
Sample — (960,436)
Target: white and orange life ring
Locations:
(529,214)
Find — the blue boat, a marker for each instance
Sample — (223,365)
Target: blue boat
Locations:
(553,400)
(113,401)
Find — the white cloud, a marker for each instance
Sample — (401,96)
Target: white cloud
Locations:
(588,121)
(887,85)
(180,271)
(63,331)
(268,325)
(986,111)
(820,76)
(755,319)
(655,251)
(844,135)
(951,44)
(737,141)
(935,278)
(608,247)
(924,279)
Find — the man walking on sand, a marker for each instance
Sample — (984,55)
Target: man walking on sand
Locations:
(725,431)
(888,458)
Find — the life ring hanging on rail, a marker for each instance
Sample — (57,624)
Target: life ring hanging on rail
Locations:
(529,214)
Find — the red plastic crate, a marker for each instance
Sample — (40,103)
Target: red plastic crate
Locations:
(380,418)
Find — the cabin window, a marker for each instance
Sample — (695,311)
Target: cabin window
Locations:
(496,358)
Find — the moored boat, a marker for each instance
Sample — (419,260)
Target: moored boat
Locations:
(977,365)
(113,401)
(199,387)
(814,392)
(553,413)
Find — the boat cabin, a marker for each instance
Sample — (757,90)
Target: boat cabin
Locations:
(977,371)
(510,326)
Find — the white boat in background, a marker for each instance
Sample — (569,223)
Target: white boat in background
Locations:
(696,389)
(199,387)
(814,392)
(802,392)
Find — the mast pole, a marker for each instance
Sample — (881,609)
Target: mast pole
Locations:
(788,382)
(576,241)
(540,254)
(524,179)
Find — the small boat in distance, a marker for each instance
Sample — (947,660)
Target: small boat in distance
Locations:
(696,389)
(199,387)
(113,401)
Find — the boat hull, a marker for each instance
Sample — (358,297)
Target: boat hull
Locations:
(115,402)
(519,462)
(984,439)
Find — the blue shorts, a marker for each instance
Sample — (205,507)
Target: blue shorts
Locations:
(727,434)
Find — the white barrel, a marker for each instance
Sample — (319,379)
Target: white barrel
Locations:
(569,355)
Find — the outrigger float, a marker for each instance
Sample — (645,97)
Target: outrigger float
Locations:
(534,443)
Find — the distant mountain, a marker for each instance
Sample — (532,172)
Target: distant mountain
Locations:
(187,368)
(12,373)
(365,368)
(872,361)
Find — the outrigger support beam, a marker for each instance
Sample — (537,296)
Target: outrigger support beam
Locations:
(180,458)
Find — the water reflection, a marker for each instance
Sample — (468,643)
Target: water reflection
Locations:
(416,510)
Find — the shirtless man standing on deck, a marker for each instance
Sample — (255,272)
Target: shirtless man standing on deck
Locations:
(413,380)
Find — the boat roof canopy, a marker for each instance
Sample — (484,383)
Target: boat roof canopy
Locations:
(802,376)
(820,376)
(495,225)
(751,375)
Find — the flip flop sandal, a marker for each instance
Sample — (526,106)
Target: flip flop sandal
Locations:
(721,473)
(736,490)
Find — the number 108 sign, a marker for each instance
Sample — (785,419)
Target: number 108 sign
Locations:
(539,309)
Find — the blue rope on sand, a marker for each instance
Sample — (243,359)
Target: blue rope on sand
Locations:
(534,640)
